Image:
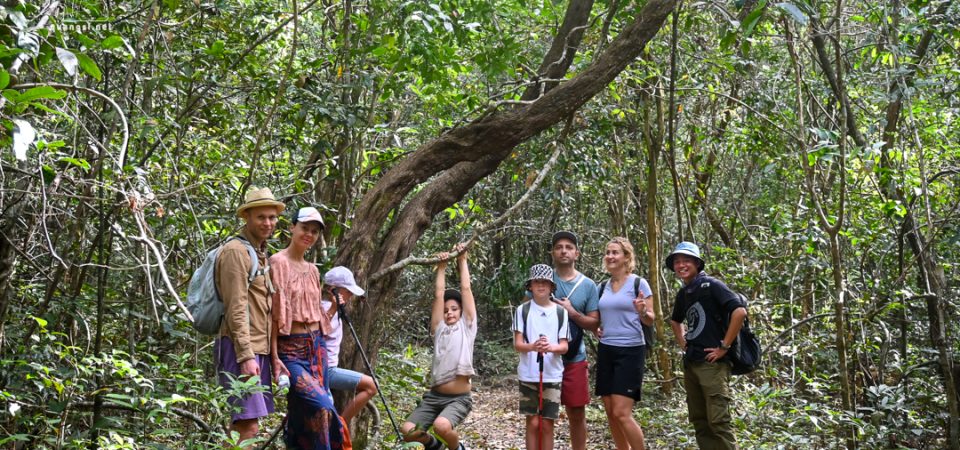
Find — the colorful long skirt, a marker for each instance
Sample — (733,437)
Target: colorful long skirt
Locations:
(312,419)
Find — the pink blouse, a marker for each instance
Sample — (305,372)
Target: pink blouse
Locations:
(298,294)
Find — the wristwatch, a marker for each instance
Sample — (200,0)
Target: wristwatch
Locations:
(724,346)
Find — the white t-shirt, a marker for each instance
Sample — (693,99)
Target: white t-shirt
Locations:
(334,337)
(453,351)
(541,321)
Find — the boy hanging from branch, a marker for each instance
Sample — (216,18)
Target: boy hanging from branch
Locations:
(453,323)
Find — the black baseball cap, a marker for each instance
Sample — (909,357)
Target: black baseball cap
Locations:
(452,294)
(565,235)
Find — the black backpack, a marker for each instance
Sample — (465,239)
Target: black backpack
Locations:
(525,311)
(649,336)
(745,352)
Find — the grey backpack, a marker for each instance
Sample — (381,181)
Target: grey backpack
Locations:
(203,300)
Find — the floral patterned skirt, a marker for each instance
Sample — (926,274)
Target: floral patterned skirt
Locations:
(312,419)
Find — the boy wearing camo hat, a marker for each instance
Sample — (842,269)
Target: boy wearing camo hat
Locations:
(540,334)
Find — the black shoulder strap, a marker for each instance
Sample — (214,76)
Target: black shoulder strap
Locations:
(525,312)
(559,321)
(636,286)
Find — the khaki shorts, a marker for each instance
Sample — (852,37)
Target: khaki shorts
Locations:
(530,399)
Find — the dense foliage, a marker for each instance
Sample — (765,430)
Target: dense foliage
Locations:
(810,147)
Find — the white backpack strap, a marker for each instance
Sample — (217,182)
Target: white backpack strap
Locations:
(570,294)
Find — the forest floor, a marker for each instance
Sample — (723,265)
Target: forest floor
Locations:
(495,423)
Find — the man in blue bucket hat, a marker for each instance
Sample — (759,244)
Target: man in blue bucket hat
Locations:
(703,302)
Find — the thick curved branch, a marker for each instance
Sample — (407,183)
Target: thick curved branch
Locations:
(484,228)
(557,61)
(494,137)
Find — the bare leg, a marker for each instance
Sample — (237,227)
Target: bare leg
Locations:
(247,428)
(619,438)
(533,432)
(366,389)
(547,434)
(411,434)
(621,408)
(444,428)
(578,427)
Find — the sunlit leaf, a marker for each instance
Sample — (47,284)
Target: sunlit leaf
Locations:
(794,12)
(23,136)
(68,59)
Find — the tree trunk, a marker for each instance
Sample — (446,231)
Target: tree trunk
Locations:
(653,252)
(926,259)
(455,161)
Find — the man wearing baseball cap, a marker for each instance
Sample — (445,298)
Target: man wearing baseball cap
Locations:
(578,294)
(703,302)
(243,346)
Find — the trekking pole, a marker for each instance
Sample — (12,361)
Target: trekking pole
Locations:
(540,397)
(341,308)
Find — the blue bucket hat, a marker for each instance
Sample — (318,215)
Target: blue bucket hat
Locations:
(685,248)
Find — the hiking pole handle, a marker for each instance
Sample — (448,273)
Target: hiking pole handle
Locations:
(341,305)
(540,357)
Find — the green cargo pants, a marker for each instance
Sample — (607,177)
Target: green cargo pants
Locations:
(708,402)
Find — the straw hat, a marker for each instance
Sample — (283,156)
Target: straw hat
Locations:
(259,197)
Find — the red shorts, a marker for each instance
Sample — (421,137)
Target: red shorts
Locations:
(575,390)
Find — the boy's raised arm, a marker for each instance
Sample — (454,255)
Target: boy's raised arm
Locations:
(466,293)
(439,286)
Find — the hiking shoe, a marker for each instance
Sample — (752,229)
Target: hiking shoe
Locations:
(434,444)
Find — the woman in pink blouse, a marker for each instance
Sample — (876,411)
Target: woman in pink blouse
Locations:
(299,350)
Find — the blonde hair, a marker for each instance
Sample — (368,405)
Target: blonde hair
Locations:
(628,252)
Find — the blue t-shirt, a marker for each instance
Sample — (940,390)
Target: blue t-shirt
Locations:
(584,299)
(619,319)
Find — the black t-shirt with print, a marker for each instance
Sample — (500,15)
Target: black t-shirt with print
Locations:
(704,303)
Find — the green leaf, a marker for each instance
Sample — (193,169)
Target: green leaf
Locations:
(4,79)
(728,40)
(794,12)
(40,92)
(751,21)
(81,163)
(89,66)
(217,48)
(112,42)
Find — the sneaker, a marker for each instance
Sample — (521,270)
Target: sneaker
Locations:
(434,444)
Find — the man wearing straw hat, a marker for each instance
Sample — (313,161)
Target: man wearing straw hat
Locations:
(243,346)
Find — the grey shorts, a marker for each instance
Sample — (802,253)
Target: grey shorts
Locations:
(343,379)
(530,399)
(453,407)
